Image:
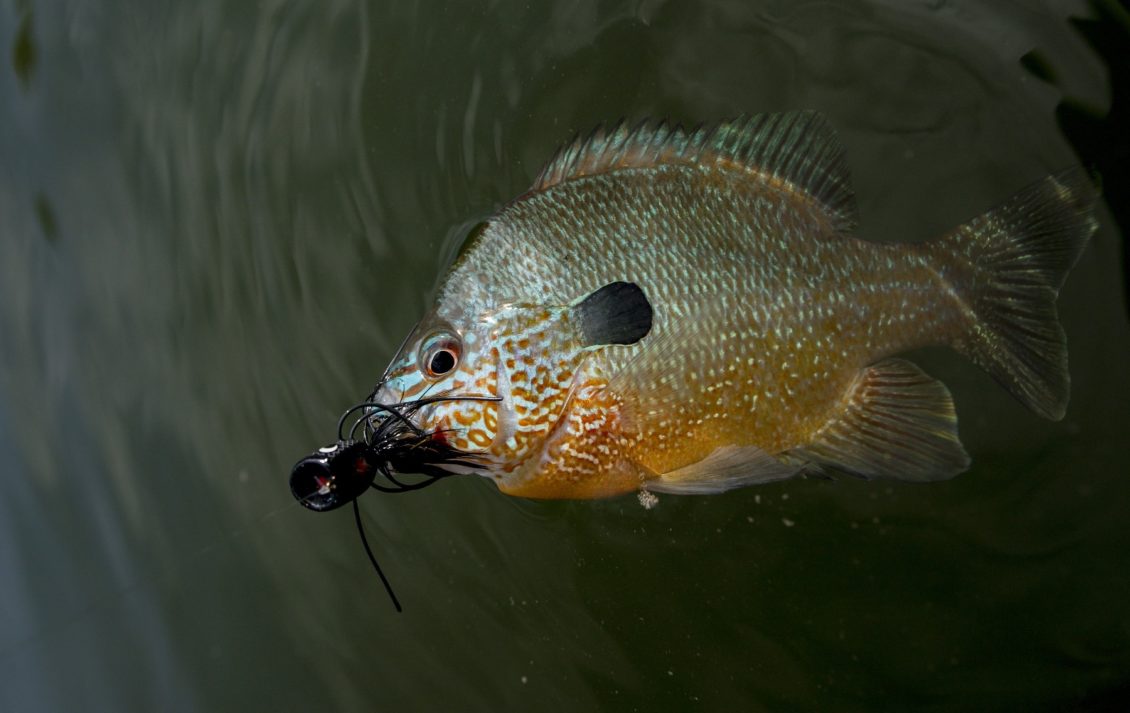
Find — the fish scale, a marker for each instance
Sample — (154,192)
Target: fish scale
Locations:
(775,274)
(711,323)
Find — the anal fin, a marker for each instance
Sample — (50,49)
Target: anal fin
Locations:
(724,469)
(897,422)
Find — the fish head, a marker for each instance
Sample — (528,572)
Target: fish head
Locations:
(489,387)
(486,385)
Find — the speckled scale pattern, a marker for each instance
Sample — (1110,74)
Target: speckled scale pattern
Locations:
(764,312)
(525,354)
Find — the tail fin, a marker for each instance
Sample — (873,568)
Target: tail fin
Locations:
(1007,266)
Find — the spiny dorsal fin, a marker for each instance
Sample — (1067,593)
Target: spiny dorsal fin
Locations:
(897,422)
(618,313)
(799,148)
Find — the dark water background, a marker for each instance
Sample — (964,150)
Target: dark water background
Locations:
(217,221)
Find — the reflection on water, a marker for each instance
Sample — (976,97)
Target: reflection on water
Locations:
(218,219)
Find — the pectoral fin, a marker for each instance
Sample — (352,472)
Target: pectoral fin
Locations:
(897,422)
(726,468)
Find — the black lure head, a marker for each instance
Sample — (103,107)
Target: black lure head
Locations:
(333,476)
(337,475)
(382,440)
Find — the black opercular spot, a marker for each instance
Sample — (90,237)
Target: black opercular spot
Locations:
(618,313)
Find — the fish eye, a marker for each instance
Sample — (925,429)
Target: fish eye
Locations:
(440,354)
(442,362)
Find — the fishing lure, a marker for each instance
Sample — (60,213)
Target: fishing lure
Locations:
(381,441)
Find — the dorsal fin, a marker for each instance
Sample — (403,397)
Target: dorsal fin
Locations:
(799,148)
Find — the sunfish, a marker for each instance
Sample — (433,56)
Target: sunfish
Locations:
(682,311)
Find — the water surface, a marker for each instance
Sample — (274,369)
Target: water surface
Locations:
(217,221)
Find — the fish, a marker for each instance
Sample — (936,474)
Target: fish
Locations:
(687,311)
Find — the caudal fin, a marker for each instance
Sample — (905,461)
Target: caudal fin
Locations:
(1007,267)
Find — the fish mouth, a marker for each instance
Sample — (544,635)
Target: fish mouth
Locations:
(385,440)
(403,446)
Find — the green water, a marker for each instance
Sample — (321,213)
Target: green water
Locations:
(217,221)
